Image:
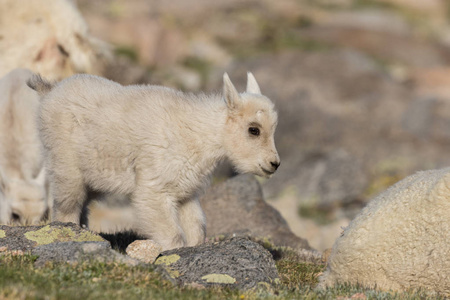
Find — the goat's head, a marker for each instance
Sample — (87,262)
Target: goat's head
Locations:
(250,128)
(26,199)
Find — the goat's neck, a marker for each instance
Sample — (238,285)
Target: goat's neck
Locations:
(206,124)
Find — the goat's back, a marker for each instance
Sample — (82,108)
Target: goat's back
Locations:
(20,148)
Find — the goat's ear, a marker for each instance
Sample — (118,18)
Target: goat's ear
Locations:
(40,178)
(252,85)
(230,94)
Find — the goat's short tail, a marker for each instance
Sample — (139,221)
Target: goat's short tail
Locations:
(40,85)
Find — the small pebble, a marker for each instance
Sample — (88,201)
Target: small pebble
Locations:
(144,250)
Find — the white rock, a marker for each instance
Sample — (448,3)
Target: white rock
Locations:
(400,240)
(144,250)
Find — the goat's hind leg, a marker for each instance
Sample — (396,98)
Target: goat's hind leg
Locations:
(68,192)
(69,196)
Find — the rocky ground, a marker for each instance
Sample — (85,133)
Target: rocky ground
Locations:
(237,262)
(64,261)
(361,86)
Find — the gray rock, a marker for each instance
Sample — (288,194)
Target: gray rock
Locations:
(25,238)
(418,117)
(237,206)
(72,252)
(237,263)
(326,181)
(60,242)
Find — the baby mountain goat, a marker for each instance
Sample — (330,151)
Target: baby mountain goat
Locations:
(23,195)
(155,144)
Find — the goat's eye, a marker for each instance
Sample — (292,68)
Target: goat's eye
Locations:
(253,131)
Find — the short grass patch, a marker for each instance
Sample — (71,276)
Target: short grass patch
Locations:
(296,274)
(19,279)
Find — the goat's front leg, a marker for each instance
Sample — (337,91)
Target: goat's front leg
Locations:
(193,221)
(157,218)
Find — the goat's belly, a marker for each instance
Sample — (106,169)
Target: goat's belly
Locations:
(112,174)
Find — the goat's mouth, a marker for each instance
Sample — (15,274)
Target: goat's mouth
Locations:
(267,172)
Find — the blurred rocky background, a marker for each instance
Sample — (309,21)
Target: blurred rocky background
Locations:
(362,86)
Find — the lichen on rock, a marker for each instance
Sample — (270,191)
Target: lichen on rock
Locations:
(219,278)
(236,263)
(26,238)
(48,235)
(167,260)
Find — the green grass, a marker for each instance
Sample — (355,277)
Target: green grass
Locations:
(276,40)
(201,66)
(360,4)
(312,211)
(271,33)
(295,274)
(128,52)
(19,279)
(354,4)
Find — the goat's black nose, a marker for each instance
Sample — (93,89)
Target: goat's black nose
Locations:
(275,164)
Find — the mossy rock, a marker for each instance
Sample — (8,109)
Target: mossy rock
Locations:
(235,263)
(28,237)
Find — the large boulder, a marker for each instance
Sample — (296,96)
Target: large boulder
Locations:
(400,240)
(237,263)
(237,206)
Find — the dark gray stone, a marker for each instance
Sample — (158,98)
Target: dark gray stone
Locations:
(68,251)
(72,252)
(237,206)
(236,262)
